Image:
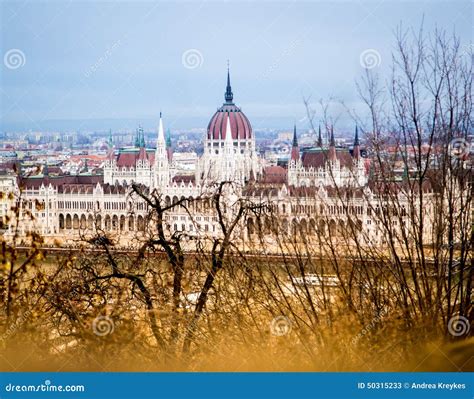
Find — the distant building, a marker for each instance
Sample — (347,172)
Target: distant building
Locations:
(321,190)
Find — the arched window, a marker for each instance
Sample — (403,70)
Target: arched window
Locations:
(115,222)
(322,227)
(294,227)
(332,227)
(90,222)
(68,221)
(83,222)
(312,227)
(341,228)
(75,222)
(140,223)
(250,227)
(108,223)
(303,227)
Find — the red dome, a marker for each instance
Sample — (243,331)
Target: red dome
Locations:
(239,123)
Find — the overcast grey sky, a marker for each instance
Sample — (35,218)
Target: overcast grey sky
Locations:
(91,60)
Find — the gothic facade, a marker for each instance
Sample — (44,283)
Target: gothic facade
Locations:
(324,190)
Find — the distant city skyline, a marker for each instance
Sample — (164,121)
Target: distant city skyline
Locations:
(99,65)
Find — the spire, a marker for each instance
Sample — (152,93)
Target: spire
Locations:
(169,149)
(161,133)
(137,138)
(295,150)
(320,138)
(295,138)
(110,141)
(228,161)
(229,96)
(141,137)
(228,132)
(356,150)
(332,146)
(161,162)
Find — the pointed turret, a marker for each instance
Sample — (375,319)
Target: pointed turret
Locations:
(332,146)
(406,173)
(320,138)
(141,138)
(169,148)
(229,96)
(137,138)
(141,134)
(228,153)
(228,133)
(356,151)
(110,141)
(161,170)
(161,132)
(252,177)
(332,142)
(295,149)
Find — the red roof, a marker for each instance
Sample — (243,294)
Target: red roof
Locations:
(60,181)
(129,159)
(239,124)
(318,159)
(274,174)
